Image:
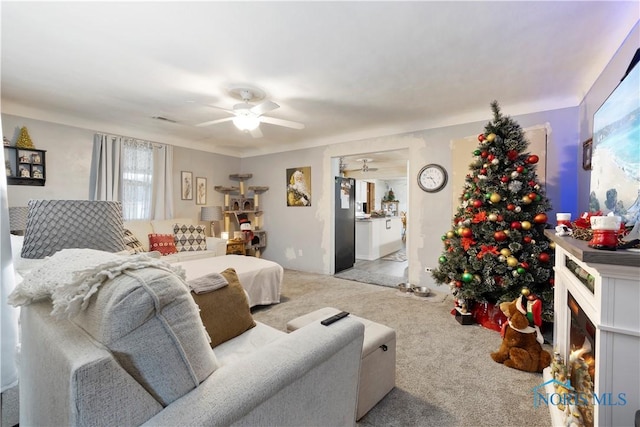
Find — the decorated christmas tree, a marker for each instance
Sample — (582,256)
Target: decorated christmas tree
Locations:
(496,246)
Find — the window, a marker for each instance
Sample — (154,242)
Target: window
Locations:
(137,179)
(136,173)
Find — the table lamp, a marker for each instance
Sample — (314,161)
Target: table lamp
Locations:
(213,214)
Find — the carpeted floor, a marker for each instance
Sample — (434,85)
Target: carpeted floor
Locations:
(444,374)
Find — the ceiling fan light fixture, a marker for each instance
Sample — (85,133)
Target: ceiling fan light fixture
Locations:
(246,123)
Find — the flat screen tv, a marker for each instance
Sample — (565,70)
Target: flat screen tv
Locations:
(615,161)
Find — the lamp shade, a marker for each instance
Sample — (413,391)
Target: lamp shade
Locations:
(211,213)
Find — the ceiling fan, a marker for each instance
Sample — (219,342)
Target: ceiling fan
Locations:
(365,166)
(247,117)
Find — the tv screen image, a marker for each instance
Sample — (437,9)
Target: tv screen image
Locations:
(615,175)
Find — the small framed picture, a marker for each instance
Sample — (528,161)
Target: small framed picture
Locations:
(587,151)
(201,191)
(186,185)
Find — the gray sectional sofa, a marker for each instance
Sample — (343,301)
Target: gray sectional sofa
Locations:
(139,355)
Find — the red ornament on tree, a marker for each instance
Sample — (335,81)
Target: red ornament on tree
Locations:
(500,236)
(516,225)
(543,257)
(540,218)
(533,159)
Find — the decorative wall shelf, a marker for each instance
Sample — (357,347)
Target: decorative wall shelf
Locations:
(25,166)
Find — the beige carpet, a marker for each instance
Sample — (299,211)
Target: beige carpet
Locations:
(444,374)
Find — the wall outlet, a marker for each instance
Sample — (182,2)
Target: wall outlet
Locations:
(428,269)
(299,252)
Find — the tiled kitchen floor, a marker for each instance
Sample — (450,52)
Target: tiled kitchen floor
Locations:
(392,268)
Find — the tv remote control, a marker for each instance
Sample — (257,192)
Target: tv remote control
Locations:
(334,318)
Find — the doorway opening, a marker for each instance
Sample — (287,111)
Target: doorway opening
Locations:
(381,211)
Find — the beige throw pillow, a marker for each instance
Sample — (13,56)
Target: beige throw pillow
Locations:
(225,312)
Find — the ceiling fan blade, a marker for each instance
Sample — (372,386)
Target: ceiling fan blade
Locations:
(256,133)
(219,108)
(214,122)
(281,122)
(210,106)
(264,107)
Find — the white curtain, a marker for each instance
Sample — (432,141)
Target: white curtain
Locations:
(162,201)
(104,183)
(8,314)
(137,173)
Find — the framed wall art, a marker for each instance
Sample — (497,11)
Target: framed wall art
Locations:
(587,152)
(186,185)
(201,191)
(299,186)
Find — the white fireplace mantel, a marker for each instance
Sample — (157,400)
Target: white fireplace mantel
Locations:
(613,306)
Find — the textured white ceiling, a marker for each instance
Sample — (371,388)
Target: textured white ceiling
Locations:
(347,70)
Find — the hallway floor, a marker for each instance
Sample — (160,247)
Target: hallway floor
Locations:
(392,268)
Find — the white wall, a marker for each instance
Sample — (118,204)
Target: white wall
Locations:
(399,187)
(215,168)
(68,159)
(294,233)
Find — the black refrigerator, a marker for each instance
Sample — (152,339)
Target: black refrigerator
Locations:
(345,223)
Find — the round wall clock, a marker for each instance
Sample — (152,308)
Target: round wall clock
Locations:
(432,178)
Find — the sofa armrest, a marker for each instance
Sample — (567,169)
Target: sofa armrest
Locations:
(218,245)
(67,379)
(308,377)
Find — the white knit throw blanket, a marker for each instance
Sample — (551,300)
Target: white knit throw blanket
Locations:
(71,276)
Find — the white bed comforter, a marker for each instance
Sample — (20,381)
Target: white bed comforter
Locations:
(262,279)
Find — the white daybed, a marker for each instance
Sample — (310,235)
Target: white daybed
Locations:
(261,278)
